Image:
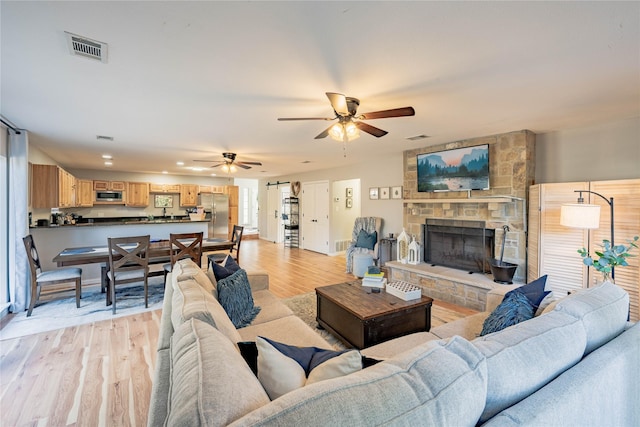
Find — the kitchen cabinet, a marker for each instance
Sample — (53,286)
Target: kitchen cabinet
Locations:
(84,193)
(188,194)
(164,188)
(137,194)
(52,187)
(109,185)
(212,189)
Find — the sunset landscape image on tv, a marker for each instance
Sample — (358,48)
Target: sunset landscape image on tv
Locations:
(460,169)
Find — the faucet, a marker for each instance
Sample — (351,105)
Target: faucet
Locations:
(164,212)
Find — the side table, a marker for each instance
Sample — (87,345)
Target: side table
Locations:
(387,249)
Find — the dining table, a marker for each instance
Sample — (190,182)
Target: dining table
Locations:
(159,251)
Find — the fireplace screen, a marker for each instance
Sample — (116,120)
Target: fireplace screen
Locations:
(465,245)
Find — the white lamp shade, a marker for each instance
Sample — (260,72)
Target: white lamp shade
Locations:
(580,215)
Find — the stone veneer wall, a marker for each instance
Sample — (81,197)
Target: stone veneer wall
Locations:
(512,171)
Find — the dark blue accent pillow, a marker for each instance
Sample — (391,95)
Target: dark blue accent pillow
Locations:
(534,291)
(222,271)
(514,308)
(234,295)
(366,240)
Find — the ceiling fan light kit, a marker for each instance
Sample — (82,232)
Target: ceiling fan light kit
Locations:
(349,124)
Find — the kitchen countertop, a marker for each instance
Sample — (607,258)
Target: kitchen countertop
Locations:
(121,221)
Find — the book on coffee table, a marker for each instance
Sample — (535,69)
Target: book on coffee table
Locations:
(374,282)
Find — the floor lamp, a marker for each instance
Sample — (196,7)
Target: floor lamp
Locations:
(581,215)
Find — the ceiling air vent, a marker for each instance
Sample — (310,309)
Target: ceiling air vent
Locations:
(86,47)
(417,137)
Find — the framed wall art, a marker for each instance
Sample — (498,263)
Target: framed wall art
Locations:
(384,192)
(163,201)
(373,193)
(396,192)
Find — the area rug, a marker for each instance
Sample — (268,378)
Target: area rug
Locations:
(304,306)
(62,313)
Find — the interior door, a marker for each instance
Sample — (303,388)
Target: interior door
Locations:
(273,213)
(315,216)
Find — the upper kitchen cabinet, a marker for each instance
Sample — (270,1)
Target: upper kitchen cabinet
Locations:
(84,193)
(109,185)
(52,187)
(164,188)
(211,189)
(189,194)
(137,194)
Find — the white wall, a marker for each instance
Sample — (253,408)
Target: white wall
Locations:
(595,153)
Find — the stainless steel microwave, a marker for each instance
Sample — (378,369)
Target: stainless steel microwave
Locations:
(109,196)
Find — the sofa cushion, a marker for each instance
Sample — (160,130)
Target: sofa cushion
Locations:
(388,349)
(290,329)
(439,383)
(603,309)
(226,269)
(283,368)
(468,327)
(523,358)
(210,383)
(515,308)
(189,300)
(271,307)
(234,294)
(187,269)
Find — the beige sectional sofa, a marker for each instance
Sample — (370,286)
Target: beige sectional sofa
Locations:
(577,365)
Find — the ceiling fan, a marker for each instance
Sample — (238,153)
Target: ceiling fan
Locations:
(349,124)
(229,163)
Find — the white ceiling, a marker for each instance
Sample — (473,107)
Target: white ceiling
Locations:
(190,80)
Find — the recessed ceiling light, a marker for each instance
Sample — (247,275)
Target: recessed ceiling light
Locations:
(180,163)
(107,163)
(213,174)
(196,169)
(107,156)
(104,138)
(165,172)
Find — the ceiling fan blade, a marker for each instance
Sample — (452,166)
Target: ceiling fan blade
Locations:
(241,165)
(371,129)
(339,103)
(283,119)
(249,163)
(208,161)
(324,133)
(396,112)
(218,164)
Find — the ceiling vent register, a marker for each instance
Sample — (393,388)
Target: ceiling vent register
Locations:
(87,48)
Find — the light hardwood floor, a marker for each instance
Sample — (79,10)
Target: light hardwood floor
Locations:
(100,373)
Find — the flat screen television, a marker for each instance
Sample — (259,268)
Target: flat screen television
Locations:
(460,169)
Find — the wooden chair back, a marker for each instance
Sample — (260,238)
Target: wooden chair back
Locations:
(128,263)
(186,245)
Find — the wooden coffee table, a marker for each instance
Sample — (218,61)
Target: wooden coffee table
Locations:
(361,318)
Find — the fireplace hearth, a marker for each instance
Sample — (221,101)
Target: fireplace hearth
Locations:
(464,245)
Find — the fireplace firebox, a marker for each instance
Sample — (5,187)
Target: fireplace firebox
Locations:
(464,245)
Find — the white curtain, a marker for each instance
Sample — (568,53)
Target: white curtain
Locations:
(18,220)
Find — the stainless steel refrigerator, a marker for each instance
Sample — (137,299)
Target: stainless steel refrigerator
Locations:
(216,207)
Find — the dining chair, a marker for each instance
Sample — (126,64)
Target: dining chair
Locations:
(128,263)
(183,245)
(41,278)
(236,239)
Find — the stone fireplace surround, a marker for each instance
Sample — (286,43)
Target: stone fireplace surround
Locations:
(512,171)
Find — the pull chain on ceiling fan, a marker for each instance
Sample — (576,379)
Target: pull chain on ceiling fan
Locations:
(349,124)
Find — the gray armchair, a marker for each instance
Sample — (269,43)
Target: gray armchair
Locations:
(368,224)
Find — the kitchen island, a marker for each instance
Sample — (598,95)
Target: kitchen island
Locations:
(50,240)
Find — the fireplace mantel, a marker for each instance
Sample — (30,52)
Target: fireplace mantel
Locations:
(464,200)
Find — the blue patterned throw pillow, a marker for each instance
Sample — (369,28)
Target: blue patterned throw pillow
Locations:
(366,240)
(534,291)
(234,294)
(514,308)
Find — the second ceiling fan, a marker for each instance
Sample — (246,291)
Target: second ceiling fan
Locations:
(229,161)
(349,123)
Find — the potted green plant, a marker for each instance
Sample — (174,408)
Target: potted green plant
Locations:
(610,256)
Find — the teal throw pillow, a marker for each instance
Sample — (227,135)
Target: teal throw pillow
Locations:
(234,295)
(226,269)
(534,291)
(514,308)
(366,240)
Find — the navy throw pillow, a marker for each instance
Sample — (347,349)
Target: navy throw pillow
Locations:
(514,308)
(234,295)
(534,291)
(366,240)
(221,271)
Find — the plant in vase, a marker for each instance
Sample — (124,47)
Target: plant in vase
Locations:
(610,256)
